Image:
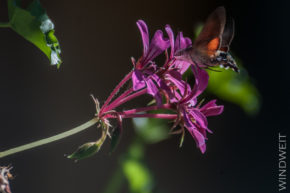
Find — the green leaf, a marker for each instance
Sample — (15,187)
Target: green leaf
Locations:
(151,130)
(116,136)
(34,25)
(139,177)
(85,151)
(235,88)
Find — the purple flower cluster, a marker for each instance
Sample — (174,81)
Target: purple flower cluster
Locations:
(165,84)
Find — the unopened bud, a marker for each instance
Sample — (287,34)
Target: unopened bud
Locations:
(84,151)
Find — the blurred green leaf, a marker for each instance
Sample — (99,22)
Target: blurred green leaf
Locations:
(235,88)
(116,136)
(34,25)
(138,176)
(151,130)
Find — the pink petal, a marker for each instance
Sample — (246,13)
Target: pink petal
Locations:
(211,103)
(138,80)
(199,117)
(171,39)
(181,42)
(201,81)
(151,87)
(182,66)
(153,90)
(211,109)
(144,34)
(199,139)
(157,45)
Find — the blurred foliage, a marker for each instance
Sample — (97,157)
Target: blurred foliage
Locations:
(235,88)
(116,137)
(132,165)
(151,130)
(34,25)
(132,169)
(136,172)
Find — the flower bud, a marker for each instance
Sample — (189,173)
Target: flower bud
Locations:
(86,150)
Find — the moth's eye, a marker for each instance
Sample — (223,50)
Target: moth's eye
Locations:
(223,54)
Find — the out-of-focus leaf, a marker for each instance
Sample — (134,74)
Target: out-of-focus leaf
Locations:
(139,177)
(236,88)
(84,151)
(116,136)
(34,25)
(151,130)
(197,29)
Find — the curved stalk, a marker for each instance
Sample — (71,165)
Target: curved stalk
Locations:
(128,98)
(49,139)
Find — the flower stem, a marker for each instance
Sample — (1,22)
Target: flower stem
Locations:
(130,97)
(116,89)
(125,94)
(143,109)
(148,115)
(49,139)
(158,116)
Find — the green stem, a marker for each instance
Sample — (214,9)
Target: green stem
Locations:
(49,139)
(4,24)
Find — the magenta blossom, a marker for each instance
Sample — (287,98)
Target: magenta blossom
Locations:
(153,49)
(147,74)
(169,78)
(144,74)
(194,117)
(179,44)
(165,82)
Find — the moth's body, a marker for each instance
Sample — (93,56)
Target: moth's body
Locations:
(211,47)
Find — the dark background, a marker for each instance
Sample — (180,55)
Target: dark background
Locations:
(97,39)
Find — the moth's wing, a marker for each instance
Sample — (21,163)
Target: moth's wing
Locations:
(228,35)
(209,39)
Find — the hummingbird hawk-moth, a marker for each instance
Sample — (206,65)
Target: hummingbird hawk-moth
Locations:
(211,47)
